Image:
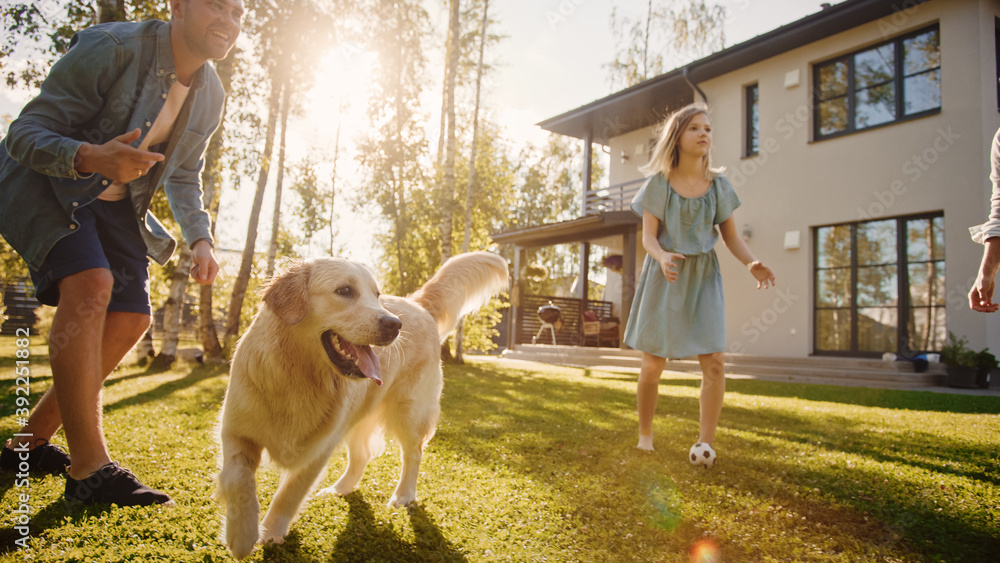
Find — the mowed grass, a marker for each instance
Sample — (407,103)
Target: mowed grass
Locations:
(537,463)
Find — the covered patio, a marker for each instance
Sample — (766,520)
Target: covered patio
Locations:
(616,228)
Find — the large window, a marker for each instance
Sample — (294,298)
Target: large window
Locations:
(880,286)
(890,82)
(752,111)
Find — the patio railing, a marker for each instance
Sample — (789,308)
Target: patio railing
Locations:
(611,198)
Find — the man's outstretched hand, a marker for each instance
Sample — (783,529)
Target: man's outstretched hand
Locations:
(117,159)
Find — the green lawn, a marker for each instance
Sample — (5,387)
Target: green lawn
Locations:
(536,463)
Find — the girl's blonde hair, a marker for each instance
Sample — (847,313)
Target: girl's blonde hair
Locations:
(666,151)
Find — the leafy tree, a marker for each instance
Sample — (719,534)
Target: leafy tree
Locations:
(288,35)
(549,187)
(39,32)
(246,265)
(470,192)
(393,153)
(688,28)
(548,191)
(447,188)
(211,180)
(311,211)
(309,26)
(272,247)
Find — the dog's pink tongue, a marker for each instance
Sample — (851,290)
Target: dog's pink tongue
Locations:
(369,364)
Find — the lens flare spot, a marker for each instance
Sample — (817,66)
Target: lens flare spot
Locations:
(667,504)
(705,551)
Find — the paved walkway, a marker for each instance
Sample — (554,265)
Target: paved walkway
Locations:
(993,391)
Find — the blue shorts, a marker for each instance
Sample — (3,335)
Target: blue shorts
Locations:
(108,237)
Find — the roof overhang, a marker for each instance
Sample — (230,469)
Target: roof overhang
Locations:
(591,227)
(648,102)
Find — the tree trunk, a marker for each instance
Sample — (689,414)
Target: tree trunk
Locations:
(272,249)
(448,189)
(645,41)
(470,189)
(246,265)
(110,11)
(211,177)
(173,308)
(144,349)
(333,178)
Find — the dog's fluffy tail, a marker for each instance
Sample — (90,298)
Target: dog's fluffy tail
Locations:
(464,284)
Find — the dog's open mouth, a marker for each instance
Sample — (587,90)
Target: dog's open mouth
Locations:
(352,360)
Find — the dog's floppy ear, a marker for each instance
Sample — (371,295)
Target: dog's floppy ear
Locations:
(288,294)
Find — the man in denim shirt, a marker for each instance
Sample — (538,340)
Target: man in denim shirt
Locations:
(130,107)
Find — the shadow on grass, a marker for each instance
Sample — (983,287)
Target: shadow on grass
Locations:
(197,373)
(553,426)
(365,538)
(164,390)
(58,513)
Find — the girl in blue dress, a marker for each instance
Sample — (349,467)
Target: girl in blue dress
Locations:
(679,308)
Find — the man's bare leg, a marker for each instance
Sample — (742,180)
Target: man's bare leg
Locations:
(120,331)
(78,365)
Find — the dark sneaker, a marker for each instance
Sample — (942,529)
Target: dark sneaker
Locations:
(113,484)
(44,459)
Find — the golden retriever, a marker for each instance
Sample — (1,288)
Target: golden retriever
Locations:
(305,378)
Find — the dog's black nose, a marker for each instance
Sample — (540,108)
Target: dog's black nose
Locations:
(388,322)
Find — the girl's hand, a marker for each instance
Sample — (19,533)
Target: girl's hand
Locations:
(666,261)
(763,274)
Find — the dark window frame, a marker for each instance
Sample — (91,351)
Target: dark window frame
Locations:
(751,107)
(996,46)
(851,93)
(903,302)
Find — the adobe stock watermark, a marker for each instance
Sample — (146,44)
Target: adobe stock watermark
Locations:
(913,168)
(958,295)
(737,7)
(786,126)
(21,516)
(899,20)
(761,323)
(563,11)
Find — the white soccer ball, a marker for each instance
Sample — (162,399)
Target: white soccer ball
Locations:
(702,454)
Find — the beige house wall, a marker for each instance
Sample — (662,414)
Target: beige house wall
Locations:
(940,162)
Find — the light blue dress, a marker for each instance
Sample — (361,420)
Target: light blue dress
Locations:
(686,317)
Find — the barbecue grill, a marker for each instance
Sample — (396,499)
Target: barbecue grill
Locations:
(551,317)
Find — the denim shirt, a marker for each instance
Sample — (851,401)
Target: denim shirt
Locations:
(113,79)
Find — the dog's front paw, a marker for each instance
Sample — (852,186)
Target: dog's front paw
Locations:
(336,489)
(242,530)
(274,529)
(241,542)
(398,500)
(267,538)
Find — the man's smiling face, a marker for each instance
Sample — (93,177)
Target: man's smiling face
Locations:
(209,28)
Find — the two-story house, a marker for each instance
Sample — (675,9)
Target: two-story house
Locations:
(858,140)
